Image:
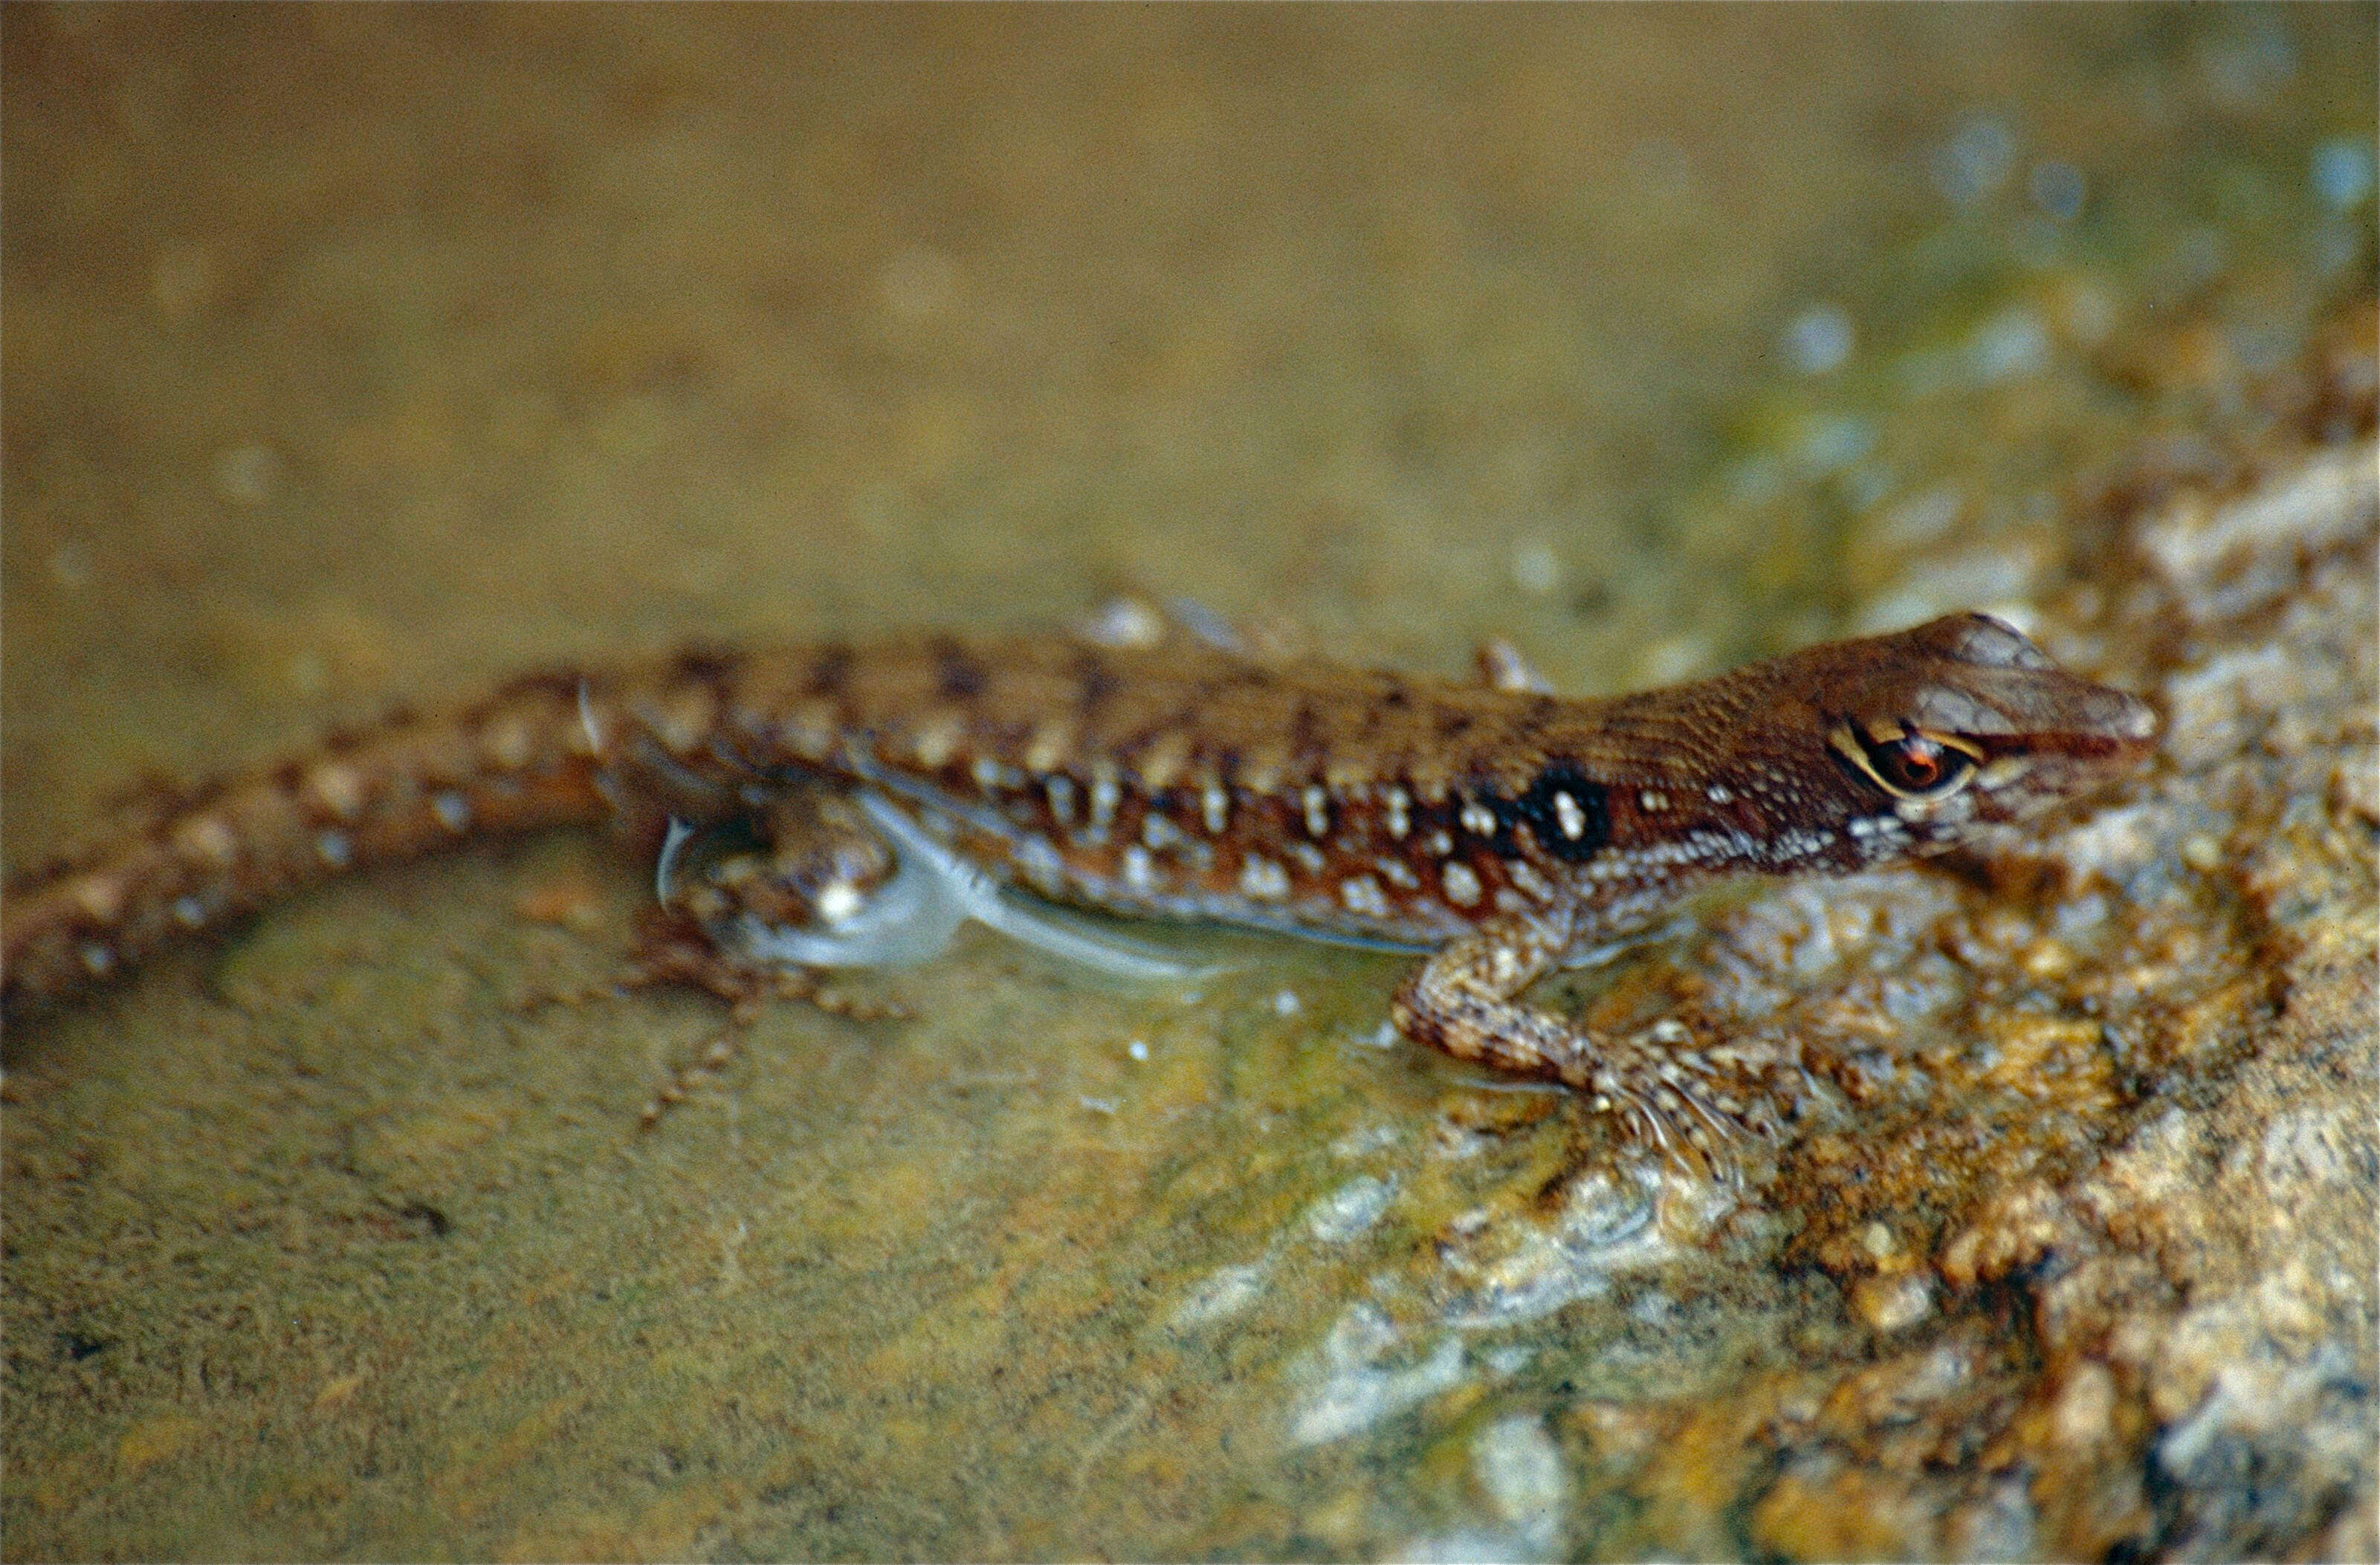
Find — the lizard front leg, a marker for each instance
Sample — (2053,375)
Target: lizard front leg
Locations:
(1687,1100)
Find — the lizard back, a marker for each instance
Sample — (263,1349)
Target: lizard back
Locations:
(1173,780)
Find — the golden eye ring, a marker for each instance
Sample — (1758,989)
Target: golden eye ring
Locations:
(1908,762)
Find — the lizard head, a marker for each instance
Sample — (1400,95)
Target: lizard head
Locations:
(1832,759)
(1958,721)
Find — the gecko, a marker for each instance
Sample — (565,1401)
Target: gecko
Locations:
(1495,830)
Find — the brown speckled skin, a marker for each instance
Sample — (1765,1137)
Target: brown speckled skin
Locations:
(1505,830)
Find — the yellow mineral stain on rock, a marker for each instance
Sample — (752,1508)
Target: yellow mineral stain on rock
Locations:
(470,1486)
(572,901)
(1892,1301)
(1339,1521)
(1697,1468)
(336,1392)
(430,1135)
(155,1439)
(2031,1049)
(663,1530)
(308,1493)
(561,1284)
(898,1204)
(1851,1514)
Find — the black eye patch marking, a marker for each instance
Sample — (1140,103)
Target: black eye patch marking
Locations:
(1567,812)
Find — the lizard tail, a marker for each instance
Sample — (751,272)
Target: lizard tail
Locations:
(531,755)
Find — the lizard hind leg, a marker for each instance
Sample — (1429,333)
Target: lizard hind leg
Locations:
(1664,1091)
(750,908)
(808,882)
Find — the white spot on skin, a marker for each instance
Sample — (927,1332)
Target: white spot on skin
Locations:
(986,772)
(1400,813)
(1040,863)
(1318,812)
(1477,819)
(1718,794)
(1263,880)
(1158,832)
(839,901)
(100,897)
(189,912)
(2003,772)
(1462,885)
(1047,748)
(96,959)
(1286,1003)
(1524,875)
(1308,856)
(1139,872)
(334,849)
(1569,817)
(507,741)
(1652,803)
(811,739)
(683,722)
(588,726)
(1106,793)
(936,745)
(1059,790)
(453,810)
(338,788)
(1949,812)
(1439,846)
(1138,1049)
(207,839)
(1363,896)
(1397,872)
(1163,762)
(1215,807)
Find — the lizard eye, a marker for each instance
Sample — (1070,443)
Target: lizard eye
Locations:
(1908,764)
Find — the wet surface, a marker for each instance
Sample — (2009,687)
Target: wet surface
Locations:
(491,338)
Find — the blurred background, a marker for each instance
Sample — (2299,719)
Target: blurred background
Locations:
(363,352)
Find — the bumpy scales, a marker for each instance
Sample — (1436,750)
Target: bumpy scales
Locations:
(1504,831)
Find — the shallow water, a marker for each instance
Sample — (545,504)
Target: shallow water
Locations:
(365,352)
